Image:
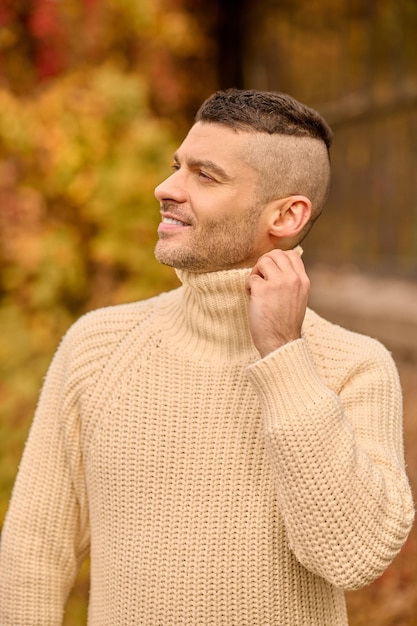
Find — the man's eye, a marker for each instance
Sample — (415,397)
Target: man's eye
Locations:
(205,176)
(175,167)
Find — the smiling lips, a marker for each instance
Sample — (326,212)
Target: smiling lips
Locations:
(169,223)
(171,220)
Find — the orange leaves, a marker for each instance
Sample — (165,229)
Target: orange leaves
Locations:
(78,165)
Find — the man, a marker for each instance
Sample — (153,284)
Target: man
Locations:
(225,455)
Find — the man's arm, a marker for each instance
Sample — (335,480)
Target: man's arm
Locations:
(337,458)
(45,535)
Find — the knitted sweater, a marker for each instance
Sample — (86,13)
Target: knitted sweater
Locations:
(211,487)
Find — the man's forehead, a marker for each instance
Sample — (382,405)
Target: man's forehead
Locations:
(211,141)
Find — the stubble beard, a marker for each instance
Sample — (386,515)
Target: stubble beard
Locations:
(220,245)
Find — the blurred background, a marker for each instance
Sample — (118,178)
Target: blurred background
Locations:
(94,98)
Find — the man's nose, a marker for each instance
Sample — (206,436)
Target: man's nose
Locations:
(172,188)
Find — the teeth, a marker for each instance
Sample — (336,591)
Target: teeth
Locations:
(170,220)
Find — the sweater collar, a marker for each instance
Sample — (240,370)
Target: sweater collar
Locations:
(211,320)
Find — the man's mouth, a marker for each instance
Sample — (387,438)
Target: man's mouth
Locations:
(171,224)
(171,220)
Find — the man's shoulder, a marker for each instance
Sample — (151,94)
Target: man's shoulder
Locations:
(333,343)
(110,325)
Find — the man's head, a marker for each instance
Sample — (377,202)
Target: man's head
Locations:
(288,142)
(275,154)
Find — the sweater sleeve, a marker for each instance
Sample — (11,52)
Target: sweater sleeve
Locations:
(45,535)
(337,459)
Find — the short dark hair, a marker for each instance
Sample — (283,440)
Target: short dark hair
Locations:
(266,112)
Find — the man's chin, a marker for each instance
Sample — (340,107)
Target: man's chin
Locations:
(171,258)
(161,256)
(178,260)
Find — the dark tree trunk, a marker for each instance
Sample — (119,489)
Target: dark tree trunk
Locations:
(230,39)
(223,23)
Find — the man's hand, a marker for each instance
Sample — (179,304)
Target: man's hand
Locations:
(278,286)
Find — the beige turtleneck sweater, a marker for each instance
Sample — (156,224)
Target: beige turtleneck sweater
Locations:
(211,487)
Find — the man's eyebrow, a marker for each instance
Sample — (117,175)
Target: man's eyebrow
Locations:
(206,164)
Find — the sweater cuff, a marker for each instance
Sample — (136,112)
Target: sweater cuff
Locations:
(287,381)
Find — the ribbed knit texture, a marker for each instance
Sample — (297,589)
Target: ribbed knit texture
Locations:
(217,488)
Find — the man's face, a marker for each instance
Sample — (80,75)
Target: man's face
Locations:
(211,219)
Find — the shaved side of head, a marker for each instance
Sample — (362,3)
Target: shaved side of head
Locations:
(290,165)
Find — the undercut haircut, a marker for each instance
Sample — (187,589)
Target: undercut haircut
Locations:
(264,112)
(290,147)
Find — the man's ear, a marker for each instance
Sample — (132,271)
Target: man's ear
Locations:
(289,216)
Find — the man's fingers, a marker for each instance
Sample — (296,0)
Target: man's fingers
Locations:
(264,267)
(283,260)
